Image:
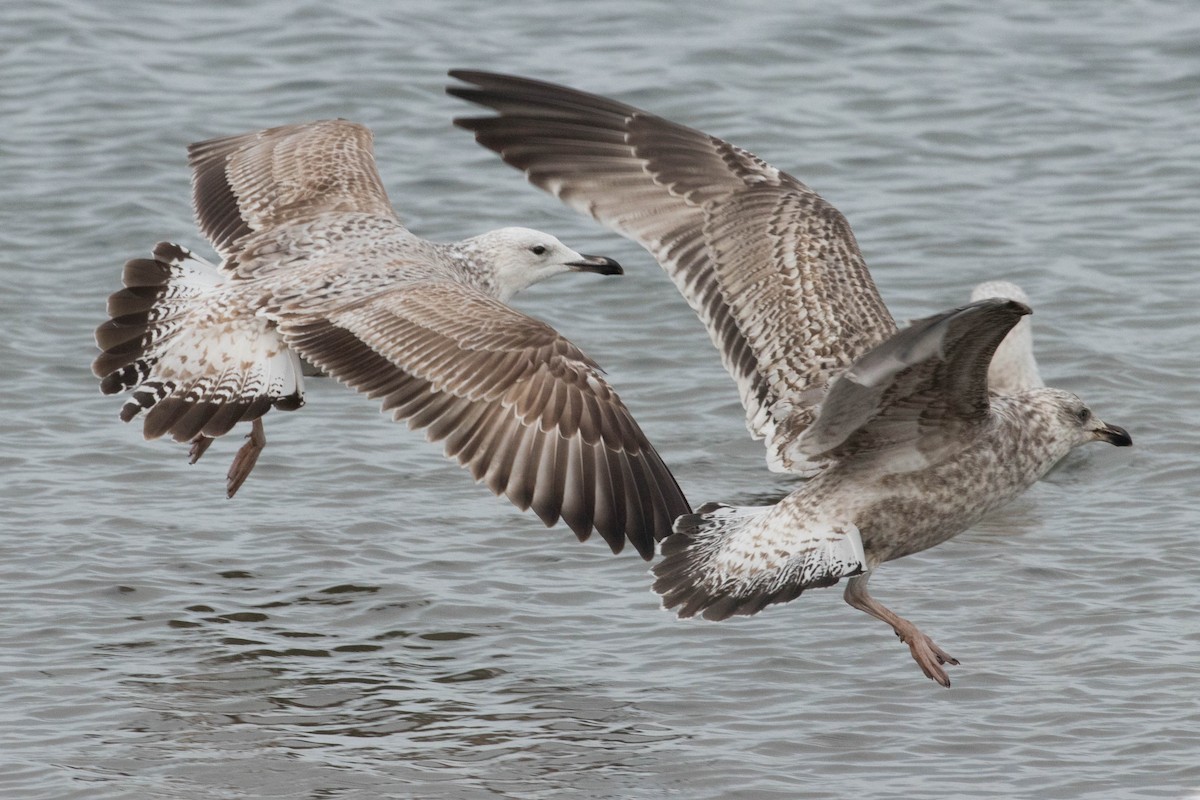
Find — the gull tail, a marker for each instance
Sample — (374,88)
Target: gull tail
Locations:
(723,561)
(196,361)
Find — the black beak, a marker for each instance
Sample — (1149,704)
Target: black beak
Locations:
(601,265)
(1115,435)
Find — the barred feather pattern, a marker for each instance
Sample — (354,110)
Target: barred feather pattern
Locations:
(516,403)
(318,266)
(195,360)
(724,560)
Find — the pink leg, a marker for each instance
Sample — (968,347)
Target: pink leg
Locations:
(245,459)
(199,445)
(927,654)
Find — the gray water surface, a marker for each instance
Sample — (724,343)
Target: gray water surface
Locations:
(363,621)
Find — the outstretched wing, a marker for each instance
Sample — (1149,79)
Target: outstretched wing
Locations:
(516,403)
(256,181)
(770,267)
(917,393)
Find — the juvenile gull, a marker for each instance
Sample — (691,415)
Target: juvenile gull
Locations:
(317,265)
(907,445)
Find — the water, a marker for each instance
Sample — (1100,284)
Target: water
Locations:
(364,622)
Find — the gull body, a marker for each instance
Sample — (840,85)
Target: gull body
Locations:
(904,443)
(316,265)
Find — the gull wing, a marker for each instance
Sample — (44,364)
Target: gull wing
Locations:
(525,410)
(919,392)
(257,181)
(771,268)
(1014,368)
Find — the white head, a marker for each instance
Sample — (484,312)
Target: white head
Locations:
(520,257)
(1013,367)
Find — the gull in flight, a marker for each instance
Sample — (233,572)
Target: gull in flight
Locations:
(316,265)
(905,443)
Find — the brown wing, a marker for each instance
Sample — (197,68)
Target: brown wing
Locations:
(255,181)
(771,268)
(521,407)
(923,389)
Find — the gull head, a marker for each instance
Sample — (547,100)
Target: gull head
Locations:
(520,257)
(1072,422)
(1089,427)
(1051,423)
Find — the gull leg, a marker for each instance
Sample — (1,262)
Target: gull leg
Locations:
(245,459)
(928,655)
(199,444)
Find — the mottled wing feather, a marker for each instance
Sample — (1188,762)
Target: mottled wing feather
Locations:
(771,268)
(256,181)
(922,388)
(514,402)
(723,560)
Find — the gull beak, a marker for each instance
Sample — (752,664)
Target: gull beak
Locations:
(601,265)
(1115,435)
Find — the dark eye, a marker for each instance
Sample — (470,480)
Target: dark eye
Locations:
(1083,414)
(538,250)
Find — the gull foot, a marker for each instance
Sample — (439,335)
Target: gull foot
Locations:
(245,459)
(929,656)
(199,445)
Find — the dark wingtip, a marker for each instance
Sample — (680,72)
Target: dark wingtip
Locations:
(1005,303)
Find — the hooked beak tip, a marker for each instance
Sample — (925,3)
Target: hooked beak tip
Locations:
(1115,435)
(601,265)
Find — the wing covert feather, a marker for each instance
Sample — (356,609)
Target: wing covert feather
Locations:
(521,407)
(256,181)
(770,267)
(921,388)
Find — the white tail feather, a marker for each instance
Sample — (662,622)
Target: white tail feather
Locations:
(725,560)
(196,361)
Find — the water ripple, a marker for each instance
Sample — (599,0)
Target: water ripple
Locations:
(365,622)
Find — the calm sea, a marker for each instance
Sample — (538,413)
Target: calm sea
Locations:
(364,622)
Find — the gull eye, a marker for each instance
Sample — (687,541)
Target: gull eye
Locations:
(538,249)
(1083,414)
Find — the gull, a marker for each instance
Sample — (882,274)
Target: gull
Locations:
(904,443)
(316,265)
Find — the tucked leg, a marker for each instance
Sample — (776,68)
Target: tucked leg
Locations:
(928,655)
(246,458)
